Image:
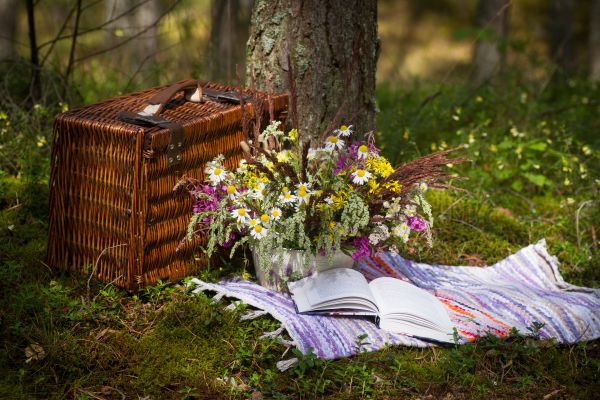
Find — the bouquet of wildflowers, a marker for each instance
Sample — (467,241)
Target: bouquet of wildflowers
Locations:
(341,195)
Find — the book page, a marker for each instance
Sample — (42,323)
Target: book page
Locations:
(406,308)
(338,288)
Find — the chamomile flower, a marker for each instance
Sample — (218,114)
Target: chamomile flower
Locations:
(303,195)
(360,176)
(423,187)
(344,131)
(334,143)
(275,213)
(264,219)
(312,154)
(410,210)
(363,151)
(287,198)
(232,192)
(241,214)
(216,174)
(252,222)
(402,231)
(258,231)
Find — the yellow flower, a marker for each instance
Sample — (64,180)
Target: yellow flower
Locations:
(264,218)
(339,201)
(293,134)
(373,185)
(393,186)
(283,156)
(380,166)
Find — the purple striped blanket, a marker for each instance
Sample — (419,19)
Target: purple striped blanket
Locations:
(523,289)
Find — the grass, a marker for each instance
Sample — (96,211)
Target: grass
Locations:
(60,340)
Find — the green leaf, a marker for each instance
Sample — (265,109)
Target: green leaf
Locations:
(537,146)
(537,179)
(517,185)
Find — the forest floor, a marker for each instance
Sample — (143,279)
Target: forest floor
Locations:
(533,174)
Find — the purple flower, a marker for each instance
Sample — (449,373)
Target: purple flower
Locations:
(229,243)
(208,200)
(416,224)
(343,163)
(362,247)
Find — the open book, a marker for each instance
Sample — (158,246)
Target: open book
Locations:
(398,306)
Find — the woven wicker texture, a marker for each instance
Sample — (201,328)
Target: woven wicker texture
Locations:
(113,210)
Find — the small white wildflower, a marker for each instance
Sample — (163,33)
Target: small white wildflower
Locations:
(258,232)
(334,143)
(410,210)
(360,176)
(363,151)
(344,131)
(240,214)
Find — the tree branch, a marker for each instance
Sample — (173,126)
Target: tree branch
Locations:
(129,39)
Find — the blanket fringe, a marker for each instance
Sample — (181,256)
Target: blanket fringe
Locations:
(286,364)
(198,285)
(233,305)
(217,297)
(272,334)
(253,315)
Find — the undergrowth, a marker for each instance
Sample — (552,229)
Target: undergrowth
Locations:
(60,338)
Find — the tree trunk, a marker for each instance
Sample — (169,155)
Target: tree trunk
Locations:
(129,18)
(333,48)
(493,21)
(230,27)
(594,44)
(8,25)
(560,34)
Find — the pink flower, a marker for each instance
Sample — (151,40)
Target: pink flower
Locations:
(416,224)
(362,247)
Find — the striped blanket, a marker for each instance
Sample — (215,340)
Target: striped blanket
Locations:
(523,291)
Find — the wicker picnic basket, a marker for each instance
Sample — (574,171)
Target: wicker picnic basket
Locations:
(113,209)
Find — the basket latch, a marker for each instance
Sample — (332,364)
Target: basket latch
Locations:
(175,146)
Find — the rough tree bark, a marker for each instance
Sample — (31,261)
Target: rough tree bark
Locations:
(327,41)
(594,44)
(230,26)
(493,20)
(560,33)
(8,25)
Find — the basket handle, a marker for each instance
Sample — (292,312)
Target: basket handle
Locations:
(156,104)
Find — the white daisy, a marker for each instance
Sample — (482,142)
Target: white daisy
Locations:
(410,210)
(328,200)
(216,174)
(363,151)
(275,213)
(423,187)
(303,192)
(333,142)
(264,219)
(232,192)
(287,198)
(402,231)
(360,176)
(344,131)
(240,214)
(312,154)
(258,231)
(252,222)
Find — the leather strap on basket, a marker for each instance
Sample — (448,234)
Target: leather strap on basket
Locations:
(193,92)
